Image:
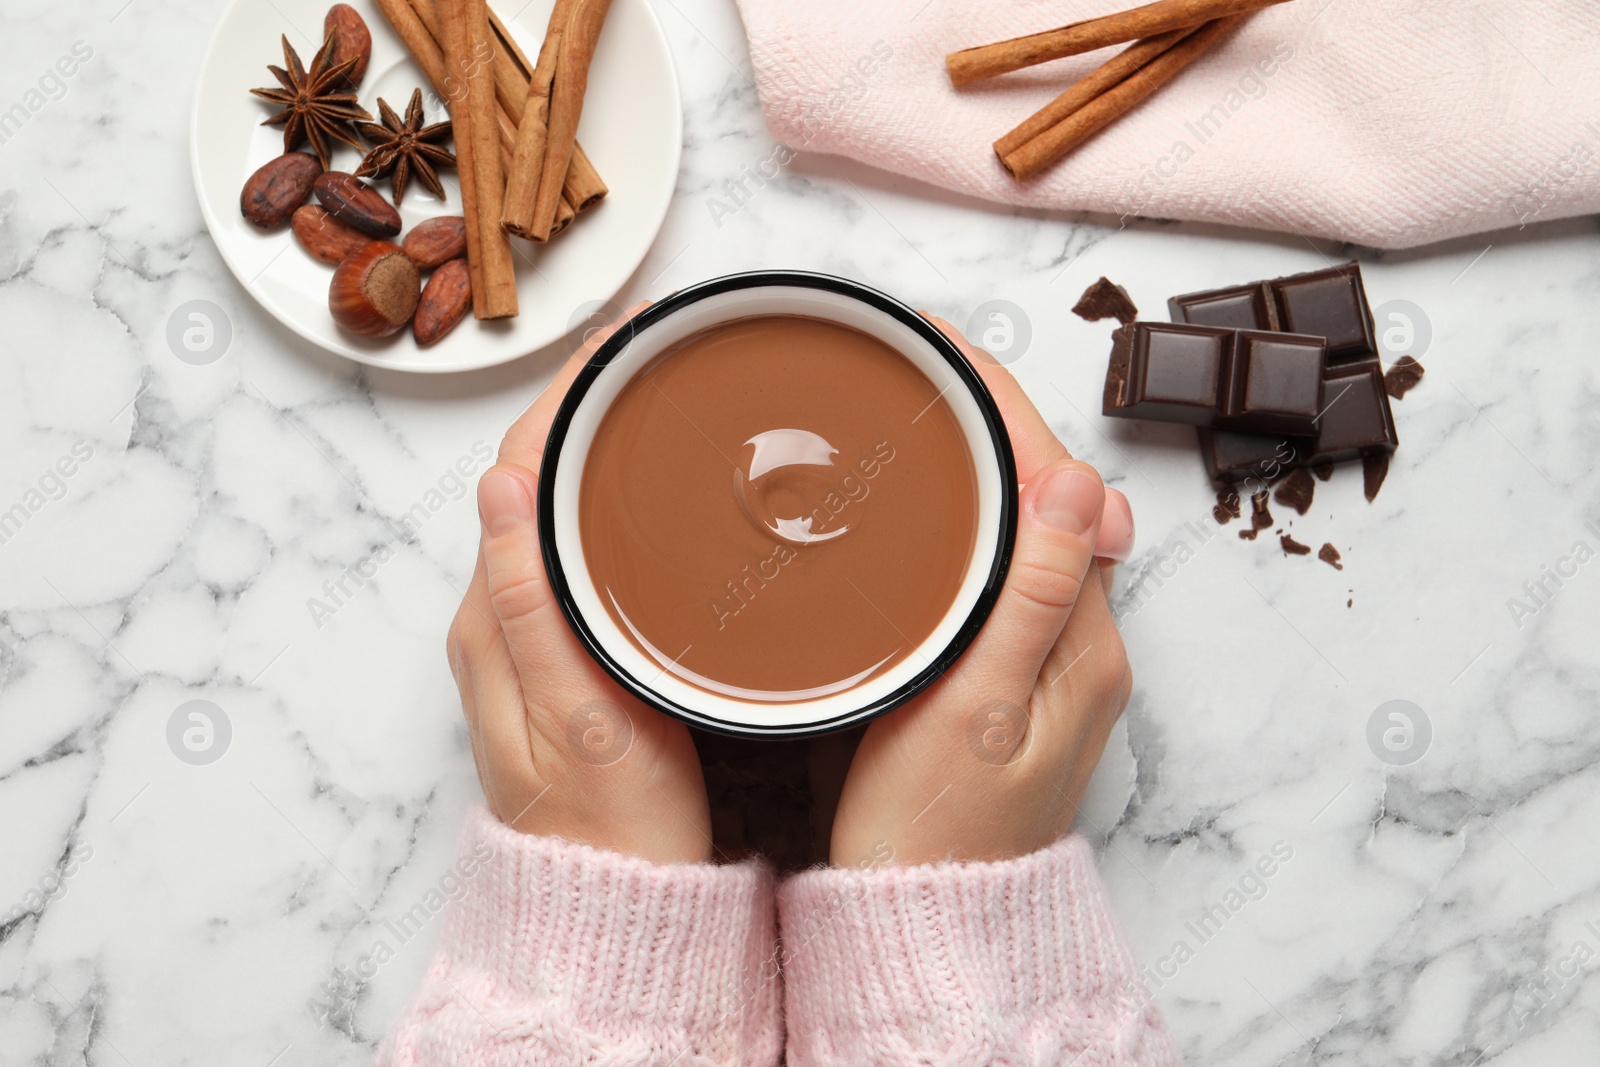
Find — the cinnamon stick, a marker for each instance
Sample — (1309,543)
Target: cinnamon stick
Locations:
(533,134)
(415,26)
(565,213)
(1100,80)
(583,186)
(547,137)
(468,51)
(578,42)
(1151,20)
(1041,151)
(419,41)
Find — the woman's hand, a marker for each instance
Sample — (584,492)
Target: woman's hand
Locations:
(561,749)
(992,760)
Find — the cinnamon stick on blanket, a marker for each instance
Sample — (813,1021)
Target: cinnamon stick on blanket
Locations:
(1037,153)
(469,83)
(973,64)
(548,134)
(1100,80)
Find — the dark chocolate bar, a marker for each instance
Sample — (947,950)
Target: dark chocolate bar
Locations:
(1356,421)
(1329,303)
(1248,380)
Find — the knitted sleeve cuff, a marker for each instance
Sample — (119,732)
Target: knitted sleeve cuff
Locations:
(1016,962)
(559,953)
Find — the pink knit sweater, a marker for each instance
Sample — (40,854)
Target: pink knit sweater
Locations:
(564,954)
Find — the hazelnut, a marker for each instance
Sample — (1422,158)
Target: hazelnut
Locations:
(375,290)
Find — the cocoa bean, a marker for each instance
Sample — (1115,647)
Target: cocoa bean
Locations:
(436,241)
(444,302)
(325,237)
(356,204)
(273,192)
(352,40)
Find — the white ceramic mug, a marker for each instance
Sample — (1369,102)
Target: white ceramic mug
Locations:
(691,311)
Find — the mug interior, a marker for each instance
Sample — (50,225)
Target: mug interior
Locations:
(633,348)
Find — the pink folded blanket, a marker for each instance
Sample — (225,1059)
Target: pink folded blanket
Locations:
(1383,123)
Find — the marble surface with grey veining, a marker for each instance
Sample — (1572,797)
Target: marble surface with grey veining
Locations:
(284,535)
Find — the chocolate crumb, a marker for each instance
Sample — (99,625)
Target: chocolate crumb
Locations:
(1323,471)
(1374,469)
(1350,603)
(1291,547)
(1399,379)
(1330,555)
(1105,300)
(1227,506)
(1260,517)
(1296,491)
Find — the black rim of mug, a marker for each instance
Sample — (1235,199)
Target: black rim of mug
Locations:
(656,312)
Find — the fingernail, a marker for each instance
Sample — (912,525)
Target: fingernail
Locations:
(1116,529)
(503,504)
(1069,500)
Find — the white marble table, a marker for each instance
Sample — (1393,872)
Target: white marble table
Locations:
(158,912)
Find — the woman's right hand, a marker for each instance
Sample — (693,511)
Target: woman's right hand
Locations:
(992,761)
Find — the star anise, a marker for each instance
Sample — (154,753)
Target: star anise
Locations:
(313,108)
(402,148)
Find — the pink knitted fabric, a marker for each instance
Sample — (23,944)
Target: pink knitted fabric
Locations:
(1013,963)
(1388,124)
(564,954)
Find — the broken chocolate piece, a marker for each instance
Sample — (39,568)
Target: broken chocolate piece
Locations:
(1245,380)
(1105,300)
(1330,555)
(1296,491)
(1323,471)
(1374,469)
(1260,517)
(1227,506)
(1291,547)
(1399,379)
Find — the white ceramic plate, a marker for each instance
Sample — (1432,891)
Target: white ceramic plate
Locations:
(632,128)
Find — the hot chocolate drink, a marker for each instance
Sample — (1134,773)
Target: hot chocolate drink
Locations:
(778,508)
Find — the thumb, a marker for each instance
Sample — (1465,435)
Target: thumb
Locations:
(518,588)
(1060,522)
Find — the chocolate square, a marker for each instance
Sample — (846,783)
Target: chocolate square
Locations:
(1170,373)
(1243,307)
(1329,303)
(1281,375)
(1356,419)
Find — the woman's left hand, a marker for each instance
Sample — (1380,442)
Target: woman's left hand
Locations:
(561,749)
